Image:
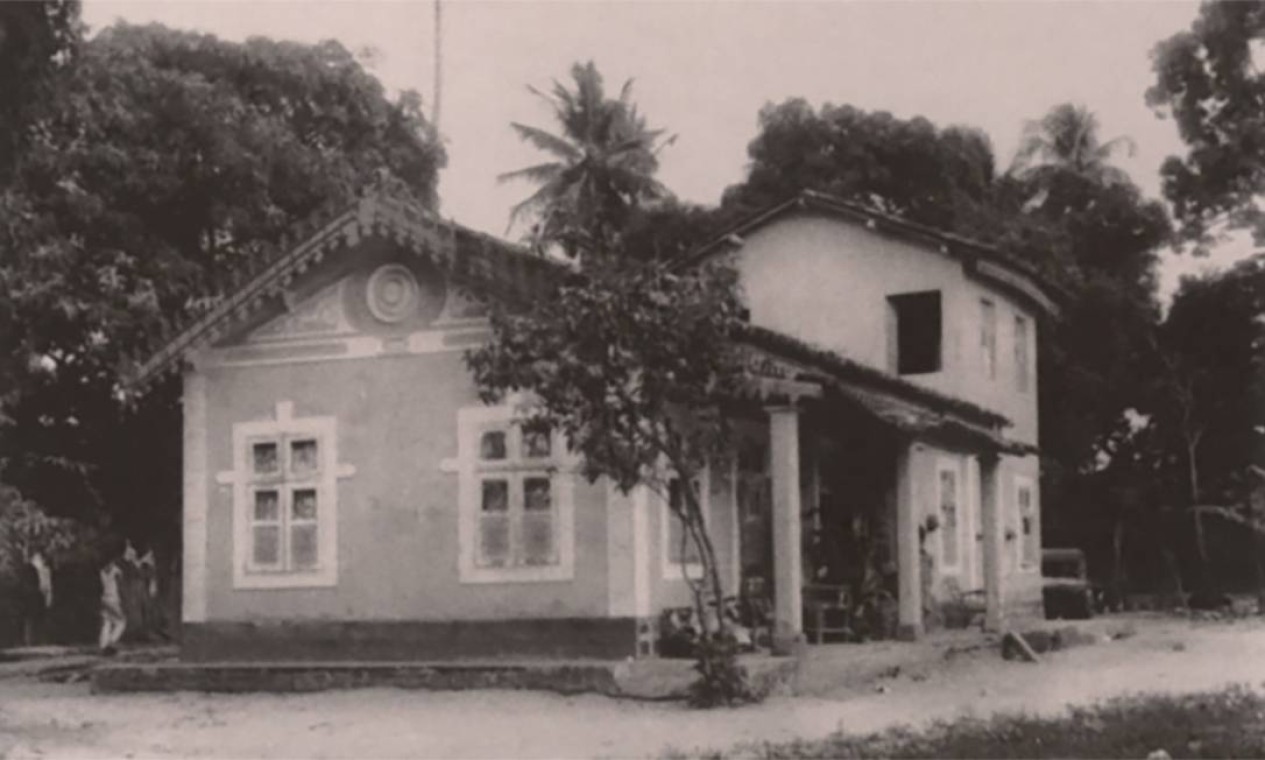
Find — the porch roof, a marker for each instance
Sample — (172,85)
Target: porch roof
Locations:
(909,408)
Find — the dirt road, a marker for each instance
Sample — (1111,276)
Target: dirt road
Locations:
(65,721)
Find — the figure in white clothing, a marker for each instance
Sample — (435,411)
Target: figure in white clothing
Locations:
(113,621)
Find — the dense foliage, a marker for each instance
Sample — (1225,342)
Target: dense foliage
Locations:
(910,168)
(632,363)
(36,40)
(1211,80)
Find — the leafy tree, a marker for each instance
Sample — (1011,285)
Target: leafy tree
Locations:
(26,529)
(910,168)
(1209,403)
(1210,80)
(163,163)
(634,364)
(37,40)
(602,167)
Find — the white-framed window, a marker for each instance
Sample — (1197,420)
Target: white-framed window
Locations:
(1022,362)
(949,506)
(988,337)
(285,506)
(1029,532)
(516,499)
(679,554)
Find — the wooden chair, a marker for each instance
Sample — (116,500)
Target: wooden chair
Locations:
(827,609)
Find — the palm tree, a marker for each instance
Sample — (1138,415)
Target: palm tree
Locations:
(1067,138)
(603,165)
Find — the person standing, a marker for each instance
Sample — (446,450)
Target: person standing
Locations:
(132,593)
(113,621)
(32,598)
(148,587)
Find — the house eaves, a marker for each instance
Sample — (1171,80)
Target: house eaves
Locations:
(981,260)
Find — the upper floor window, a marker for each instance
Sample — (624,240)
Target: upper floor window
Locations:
(988,337)
(917,332)
(1021,354)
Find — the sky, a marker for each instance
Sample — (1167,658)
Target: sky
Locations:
(702,70)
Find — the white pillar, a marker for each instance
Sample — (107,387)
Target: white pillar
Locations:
(909,559)
(787,563)
(990,513)
(194,508)
(627,552)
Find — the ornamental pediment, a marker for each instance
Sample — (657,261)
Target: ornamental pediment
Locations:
(321,314)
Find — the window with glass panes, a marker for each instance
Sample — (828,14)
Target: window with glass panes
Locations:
(988,337)
(285,503)
(950,515)
(517,522)
(1021,354)
(681,549)
(1029,548)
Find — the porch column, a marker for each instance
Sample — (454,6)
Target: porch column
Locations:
(194,507)
(908,555)
(990,517)
(787,564)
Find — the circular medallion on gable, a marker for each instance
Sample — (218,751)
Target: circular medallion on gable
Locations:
(392,293)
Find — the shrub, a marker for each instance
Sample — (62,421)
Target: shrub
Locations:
(722,680)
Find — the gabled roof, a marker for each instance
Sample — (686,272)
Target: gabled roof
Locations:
(512,272)
(987,262)
(500,267)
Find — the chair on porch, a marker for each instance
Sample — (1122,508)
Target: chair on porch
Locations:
(827,610)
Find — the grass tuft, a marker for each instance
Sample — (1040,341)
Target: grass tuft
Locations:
(1229,723)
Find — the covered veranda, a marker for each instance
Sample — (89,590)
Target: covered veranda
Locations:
(846,498)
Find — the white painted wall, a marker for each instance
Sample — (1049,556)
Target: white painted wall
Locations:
(826,281)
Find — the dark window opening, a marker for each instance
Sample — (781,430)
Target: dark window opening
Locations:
(917,317)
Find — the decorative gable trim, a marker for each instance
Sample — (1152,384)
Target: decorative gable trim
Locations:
(467,256)
(322,314)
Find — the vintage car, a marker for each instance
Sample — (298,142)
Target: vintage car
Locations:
(1066,589)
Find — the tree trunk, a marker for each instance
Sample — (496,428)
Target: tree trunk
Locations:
(1258,541)
(691,515)
(1117,559)
(1201,546)
(1175,575)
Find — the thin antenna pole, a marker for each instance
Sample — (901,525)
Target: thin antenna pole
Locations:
(439,65)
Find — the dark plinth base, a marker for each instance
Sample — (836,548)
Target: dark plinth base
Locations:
(403,641)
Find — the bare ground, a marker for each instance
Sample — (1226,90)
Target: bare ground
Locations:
(938,681)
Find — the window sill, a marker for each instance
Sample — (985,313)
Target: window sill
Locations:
(688,571)
(279,580)
(525,574)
